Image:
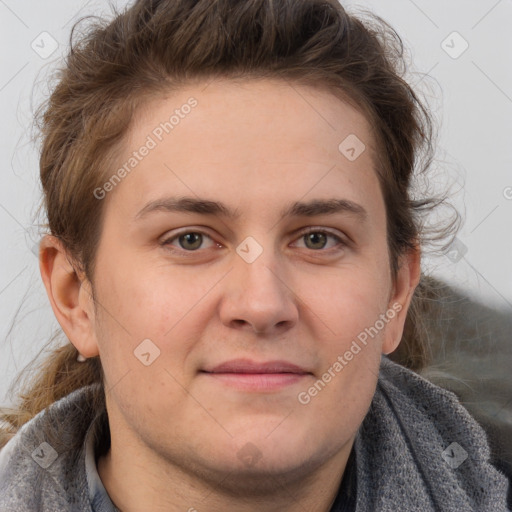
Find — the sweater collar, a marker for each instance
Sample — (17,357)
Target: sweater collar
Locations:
(98,496)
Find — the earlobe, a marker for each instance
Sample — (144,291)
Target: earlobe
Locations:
(70,296)
(407,279)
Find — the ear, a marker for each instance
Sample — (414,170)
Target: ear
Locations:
(408,277)
(70,295)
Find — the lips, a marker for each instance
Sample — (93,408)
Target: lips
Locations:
(246,366)
(245,375)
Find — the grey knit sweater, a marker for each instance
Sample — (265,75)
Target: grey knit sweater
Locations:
(417,449)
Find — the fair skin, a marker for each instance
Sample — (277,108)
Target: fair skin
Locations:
(178,432)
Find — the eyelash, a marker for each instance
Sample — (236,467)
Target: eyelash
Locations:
(342,244)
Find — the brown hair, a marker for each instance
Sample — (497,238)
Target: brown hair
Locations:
(157,46)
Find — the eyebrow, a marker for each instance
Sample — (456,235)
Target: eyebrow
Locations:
(215,208)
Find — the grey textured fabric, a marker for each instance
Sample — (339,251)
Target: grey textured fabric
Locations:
(417,449)
(471,355)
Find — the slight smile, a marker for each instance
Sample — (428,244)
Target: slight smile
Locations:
(247,375)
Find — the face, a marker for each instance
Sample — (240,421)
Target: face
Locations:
(243,328)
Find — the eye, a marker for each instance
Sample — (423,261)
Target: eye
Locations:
(188,241)
(316,239)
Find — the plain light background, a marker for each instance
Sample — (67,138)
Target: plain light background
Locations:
(464,46)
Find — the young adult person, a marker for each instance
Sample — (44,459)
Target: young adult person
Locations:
(248,370)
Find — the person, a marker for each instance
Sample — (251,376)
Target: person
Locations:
(273,364)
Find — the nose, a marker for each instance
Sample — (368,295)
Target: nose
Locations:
(258,297)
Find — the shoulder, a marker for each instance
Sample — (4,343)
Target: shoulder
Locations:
(424,448)
(41,467)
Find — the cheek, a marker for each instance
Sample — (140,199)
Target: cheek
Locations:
(348,339)
(345,301)
(152,301)
(140,330)
(348,329)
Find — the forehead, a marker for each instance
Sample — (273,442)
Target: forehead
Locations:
(260,138)
(253,112)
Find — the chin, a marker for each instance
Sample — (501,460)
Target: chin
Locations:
(267,450)
(254,471)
